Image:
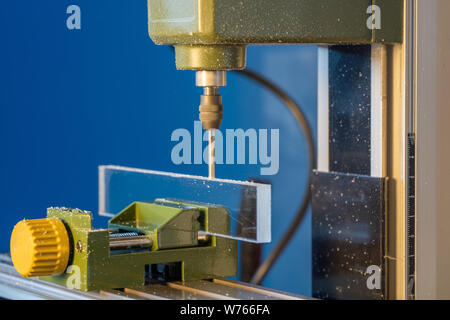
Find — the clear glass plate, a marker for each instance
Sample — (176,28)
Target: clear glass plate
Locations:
(248,203)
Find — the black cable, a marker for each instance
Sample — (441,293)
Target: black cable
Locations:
(297,112)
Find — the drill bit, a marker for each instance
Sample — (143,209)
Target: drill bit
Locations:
(211,109)
(212,154)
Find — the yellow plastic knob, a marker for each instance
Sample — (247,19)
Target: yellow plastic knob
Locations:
(40,247)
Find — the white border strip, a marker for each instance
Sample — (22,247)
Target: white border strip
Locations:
(101,192)
(180,175)
(377,111)
(323,111)
(263,222)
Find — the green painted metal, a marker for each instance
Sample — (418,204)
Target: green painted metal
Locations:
(203,30)
(201,57)
(94,266)
(168,227)
(392,12)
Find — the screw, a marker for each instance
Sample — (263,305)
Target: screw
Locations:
(79,246)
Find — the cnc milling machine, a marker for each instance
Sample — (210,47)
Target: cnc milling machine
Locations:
(366,190)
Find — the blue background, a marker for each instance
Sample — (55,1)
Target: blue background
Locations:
(71,100)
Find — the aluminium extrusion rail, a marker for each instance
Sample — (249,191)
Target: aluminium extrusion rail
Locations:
(14,286)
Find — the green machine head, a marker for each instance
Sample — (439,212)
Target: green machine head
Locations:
(211,36)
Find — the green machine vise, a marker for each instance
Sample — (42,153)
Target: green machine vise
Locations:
(164,239)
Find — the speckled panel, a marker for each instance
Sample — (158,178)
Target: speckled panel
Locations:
(348,236)
(349,109)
